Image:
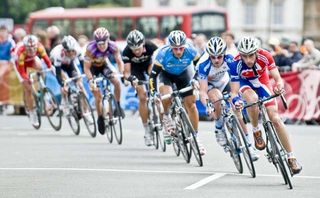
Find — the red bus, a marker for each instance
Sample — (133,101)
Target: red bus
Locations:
(154,23)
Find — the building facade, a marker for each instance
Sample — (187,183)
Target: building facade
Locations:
(282,19)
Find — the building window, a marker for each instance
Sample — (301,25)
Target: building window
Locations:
(277,13)
(191,2)
(164,2)
(222,3)
(249,13)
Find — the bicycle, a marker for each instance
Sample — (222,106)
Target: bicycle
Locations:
(110,108)
(185,139)
(276,154)
(237,143)
(154,122)
(78,106)
(44,100)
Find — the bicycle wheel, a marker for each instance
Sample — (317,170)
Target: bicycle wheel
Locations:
(244,146)
(191,137)
(107,116)
(159,132)
(182,139)
(86,112)
(279,158)
(234,148)
(51,109)
(115,121)
(73,121)
(37,106)
(175,145)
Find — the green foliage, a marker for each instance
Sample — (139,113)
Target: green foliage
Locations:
(19,9)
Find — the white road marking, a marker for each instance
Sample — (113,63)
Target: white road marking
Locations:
(205,181)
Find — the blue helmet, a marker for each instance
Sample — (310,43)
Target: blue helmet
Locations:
(177,38)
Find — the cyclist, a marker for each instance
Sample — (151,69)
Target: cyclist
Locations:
(27,57)
(96,61)
(66,57)
(174,63)
(214,80)
(249,78)
(137,57)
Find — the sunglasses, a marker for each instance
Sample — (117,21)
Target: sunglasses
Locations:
(178,48)
(216,57)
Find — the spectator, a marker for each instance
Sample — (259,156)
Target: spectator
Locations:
(199,42)
(311,59)
(53,35)
(294,53)
(228,37)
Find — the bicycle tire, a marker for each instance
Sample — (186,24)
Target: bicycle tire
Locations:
(182,139)
(73,121)
(191,137)
(85,108)
(115,119)
(52,110)
(245,149)
(37,103)
(159,132)
(279,158)
(107,117)
(234,150)
(176,147)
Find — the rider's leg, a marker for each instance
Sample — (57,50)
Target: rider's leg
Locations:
(190,105)
(117,93)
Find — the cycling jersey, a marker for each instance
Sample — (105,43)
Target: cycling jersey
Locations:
(219,77)
(65,63)
(248,78)
(25,60)
(98,58)
(174,65)
(6,49)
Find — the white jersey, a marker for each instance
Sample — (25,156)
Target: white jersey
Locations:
(58,56)
(217,77)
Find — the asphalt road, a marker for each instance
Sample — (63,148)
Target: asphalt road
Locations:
(44,163)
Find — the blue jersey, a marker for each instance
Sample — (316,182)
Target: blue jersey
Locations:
(174,65)
(6,48)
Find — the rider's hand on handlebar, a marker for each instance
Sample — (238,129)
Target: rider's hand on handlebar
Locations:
(133,80)
(279,88)
(237,102)
(92,84)
(195,84)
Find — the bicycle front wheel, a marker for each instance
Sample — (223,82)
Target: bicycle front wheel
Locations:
(115,119)
(86,112)
(159,132)
(191,136)
(244,146)
(279,158)
(73,121)
(51,109)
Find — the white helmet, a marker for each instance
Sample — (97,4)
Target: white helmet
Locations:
(135,38)
(248,45)
(30,41)
(177,38)
(69,43)
(216,46)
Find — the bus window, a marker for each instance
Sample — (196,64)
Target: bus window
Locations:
(148,26)
(111,25)
(209,24)
(63,25)
(126,26)
(39,25)
(84,26)
(168,24)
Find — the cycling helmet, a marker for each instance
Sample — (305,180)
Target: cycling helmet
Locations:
(216,46)
(101,34)
(69,43)
(135,38)
(30,41)
(248,45)
(177,38)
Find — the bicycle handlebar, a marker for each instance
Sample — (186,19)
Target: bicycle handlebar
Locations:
(183,90)
(67,81)
(261,101)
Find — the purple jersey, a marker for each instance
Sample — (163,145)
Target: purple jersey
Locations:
(97,57)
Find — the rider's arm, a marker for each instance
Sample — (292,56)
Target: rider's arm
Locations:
(86,68)
(277,78)
(127,70)
(21,68)
(119,61)
(43,54)
(59,76)
(203,91)
(156,69)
